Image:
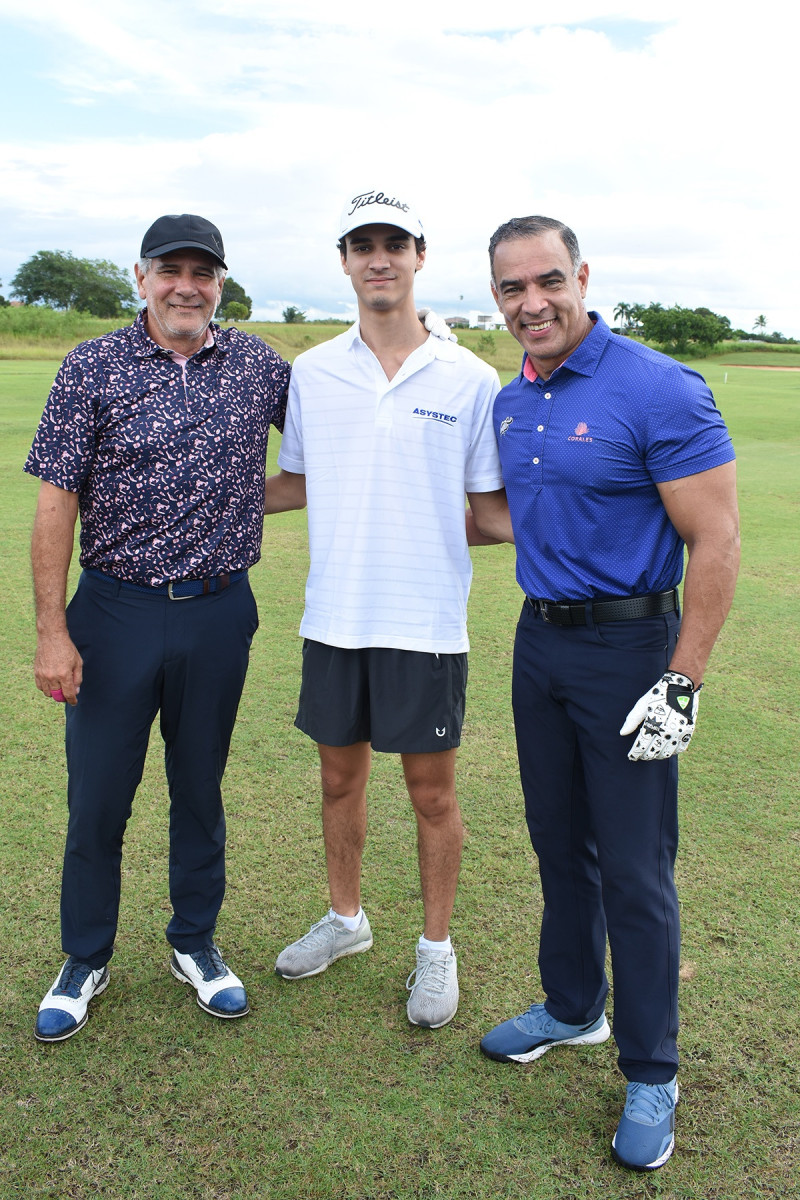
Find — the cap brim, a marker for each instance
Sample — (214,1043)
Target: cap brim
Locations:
(157,251)
(412,227)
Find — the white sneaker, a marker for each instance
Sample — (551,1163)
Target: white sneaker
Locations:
(434,991)
(326,941)
(64,1009)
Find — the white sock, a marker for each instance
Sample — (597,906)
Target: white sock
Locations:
(351,923)
(444,947)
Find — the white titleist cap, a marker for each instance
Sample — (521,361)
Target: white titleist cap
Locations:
(372,207)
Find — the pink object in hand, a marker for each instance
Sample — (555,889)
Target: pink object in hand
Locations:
(57,694)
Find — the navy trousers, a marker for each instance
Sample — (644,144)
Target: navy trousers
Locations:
(146,654)
(605,830)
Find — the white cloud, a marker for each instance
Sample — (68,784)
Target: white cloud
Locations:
(662,142)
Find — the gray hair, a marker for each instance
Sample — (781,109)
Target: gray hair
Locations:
(531,227)
(146,263)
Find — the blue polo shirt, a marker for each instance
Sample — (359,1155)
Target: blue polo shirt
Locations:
(581,454)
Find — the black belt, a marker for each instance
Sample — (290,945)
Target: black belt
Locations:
(621,608)
(181,589)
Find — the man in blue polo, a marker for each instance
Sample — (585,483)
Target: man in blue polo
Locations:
(615,459)
(156,436)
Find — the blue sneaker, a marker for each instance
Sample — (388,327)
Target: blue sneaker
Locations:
(525,1038)
(64,1009)
(219,991)
(645,1136)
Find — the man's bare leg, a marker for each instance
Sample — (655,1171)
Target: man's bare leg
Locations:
(345,771)
(430,779)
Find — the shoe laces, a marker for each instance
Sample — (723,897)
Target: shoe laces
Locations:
(430,974)
(648,1103)
(209,963)
(73,977)
(536,1020)
(320,932)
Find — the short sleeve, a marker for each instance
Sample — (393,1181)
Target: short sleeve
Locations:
(63,448)
(686,432)
(290,455)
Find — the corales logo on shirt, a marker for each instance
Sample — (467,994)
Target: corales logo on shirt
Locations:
(581,430)
(506,425)
(428,415)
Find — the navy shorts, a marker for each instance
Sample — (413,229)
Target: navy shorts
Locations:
(401,701)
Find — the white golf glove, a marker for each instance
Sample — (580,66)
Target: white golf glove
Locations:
(436,325)
(667,715)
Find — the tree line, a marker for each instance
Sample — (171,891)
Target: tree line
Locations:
(680,329)
(58,279)
(96,286)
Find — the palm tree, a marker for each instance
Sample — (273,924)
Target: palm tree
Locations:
(622,314)
(760,323)
(635,316)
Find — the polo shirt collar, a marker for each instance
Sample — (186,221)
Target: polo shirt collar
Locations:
(585,358)
(434,347)
(144,346)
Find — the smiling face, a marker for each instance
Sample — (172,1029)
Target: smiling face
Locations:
(541,298)
(382,261)
(182,291)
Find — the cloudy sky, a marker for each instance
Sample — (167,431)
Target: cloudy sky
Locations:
(662,133)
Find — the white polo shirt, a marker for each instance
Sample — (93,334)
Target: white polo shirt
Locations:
(387,463)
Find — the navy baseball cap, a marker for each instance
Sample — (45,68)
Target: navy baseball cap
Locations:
(183,232)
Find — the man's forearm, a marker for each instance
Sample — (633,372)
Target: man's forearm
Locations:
(58,666)
(51,554)
(284,492)
(488,519)
(707,597)
(704,511)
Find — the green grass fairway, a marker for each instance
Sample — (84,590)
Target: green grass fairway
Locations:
(325,1092)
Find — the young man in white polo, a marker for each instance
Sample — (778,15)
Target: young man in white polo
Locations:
(387,429)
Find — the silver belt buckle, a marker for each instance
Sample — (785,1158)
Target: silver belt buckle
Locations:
(543,611)
(169,593)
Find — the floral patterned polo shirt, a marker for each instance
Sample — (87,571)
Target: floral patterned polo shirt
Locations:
(168,461)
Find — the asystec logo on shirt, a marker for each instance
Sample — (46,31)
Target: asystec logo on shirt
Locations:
(428,415)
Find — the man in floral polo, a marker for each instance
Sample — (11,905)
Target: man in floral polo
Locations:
(154,437)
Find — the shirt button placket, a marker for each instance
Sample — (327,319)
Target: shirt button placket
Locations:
(540,428)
